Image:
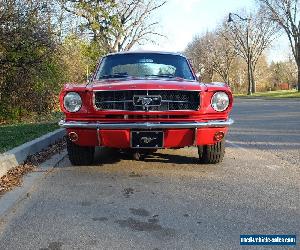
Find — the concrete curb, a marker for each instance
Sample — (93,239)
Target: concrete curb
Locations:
(30,181)
(18,155)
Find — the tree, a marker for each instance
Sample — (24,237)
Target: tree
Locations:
(27,59)
(116,25)
(199,51)
(223,53)
(262,74)
(283,72)
(286,14)
(251,37)
(212,53)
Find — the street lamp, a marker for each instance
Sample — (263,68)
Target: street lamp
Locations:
(249,68)
(233,14)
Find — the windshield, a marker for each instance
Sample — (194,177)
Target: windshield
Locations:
(144,65)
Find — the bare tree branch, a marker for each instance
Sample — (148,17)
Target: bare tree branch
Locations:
(252,37)
(116,25)
(285,14)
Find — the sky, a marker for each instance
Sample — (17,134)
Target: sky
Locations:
(181,20)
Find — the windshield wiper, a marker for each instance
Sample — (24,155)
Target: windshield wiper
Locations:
(162,76)
(116,75)
(169,76)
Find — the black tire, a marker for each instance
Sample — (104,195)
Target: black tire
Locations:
(212,154)
(79,155)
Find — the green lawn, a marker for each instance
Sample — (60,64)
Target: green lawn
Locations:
(274,94)
(17,134)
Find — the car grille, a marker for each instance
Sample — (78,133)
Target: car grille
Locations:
(170,100)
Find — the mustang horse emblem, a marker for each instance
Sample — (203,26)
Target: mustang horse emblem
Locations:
(147,100)
(147,140)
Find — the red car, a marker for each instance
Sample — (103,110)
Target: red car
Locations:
(144,101)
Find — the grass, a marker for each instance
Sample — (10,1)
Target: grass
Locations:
(274,94)
(17,134)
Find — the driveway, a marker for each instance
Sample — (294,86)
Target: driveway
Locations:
(169,201)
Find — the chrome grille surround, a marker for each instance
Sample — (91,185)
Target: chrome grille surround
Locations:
(123,100)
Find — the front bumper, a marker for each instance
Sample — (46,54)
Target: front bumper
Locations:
(119,135)
(145,125)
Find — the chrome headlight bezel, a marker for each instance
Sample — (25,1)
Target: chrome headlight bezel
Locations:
(72,102)
(220,101)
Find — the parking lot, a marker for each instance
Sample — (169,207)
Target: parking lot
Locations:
(169,200)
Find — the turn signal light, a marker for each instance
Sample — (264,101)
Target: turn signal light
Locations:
(73,136)
(219,136)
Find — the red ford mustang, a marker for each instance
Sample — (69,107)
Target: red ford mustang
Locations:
(143,101)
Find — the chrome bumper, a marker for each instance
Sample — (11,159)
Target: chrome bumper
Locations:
(145,125)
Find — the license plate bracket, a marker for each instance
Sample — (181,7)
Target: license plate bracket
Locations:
(147,139)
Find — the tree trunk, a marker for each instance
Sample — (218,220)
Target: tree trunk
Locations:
(249,79)
(298,80)
(227,80)
(253,84)
(297,59)
(210,75)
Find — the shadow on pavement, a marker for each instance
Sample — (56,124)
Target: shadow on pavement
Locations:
(106,156)
(171,158)
(111,156)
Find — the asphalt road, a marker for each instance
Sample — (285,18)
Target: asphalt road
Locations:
(169,201)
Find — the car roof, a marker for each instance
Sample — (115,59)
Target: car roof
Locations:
(146,52)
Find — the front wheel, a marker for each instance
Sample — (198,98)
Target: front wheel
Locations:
(80,155)
(212,154)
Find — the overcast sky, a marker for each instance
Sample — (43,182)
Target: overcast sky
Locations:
(181,20)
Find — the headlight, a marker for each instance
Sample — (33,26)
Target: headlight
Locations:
(72,102)
(220,101)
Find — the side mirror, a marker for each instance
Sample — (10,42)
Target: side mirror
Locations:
(89,77)
(199,78)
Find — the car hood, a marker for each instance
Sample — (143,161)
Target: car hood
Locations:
(147,84)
